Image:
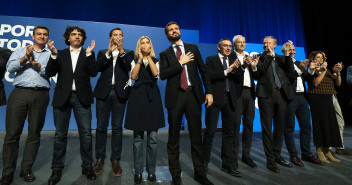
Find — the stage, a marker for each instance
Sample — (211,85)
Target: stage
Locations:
(310,174)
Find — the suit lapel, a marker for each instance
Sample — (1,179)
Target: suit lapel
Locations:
(80,59)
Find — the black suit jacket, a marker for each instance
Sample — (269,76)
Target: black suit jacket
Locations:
(239,82)
(218,79)
(4,57)
(170,69)
(86,67)
(105,66)
(265,84)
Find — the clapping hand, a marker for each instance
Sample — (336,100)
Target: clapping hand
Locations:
(91,47)
(52,47)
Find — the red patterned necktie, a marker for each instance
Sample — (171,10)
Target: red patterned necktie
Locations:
(183,80)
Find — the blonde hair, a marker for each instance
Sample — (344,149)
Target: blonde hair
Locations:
(151,53)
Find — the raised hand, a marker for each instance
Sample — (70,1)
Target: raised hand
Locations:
(52,47)
(29,52)
(91,47)
(184,59)
(255,62)
(247,61)
(303,64)
(288,46)
(112,45)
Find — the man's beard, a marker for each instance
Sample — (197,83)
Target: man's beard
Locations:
(174,39)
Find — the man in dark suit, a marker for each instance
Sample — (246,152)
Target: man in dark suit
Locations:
(245,100)
(74,66)
(298,106)
(114,64)
(222,76)
(273,91)
(179,64)
(4,57)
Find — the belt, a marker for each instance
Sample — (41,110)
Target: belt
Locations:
(299,93)
(189,89)
(113,86)
(33,88)
(246,87)
(73,92)
(227,92)
(277,89)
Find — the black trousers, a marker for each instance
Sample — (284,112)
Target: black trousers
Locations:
(186,104)
(211,122)
(272,112)
(244,111)
(23,102)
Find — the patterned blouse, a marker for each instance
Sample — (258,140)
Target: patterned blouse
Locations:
(326,86)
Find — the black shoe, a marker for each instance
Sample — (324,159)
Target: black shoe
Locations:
(176,180)
(231,171)
(55,177)
(282,162)
(138,179)
(151,178)
(89,172)
(272,166)
(202,179)
(249,162)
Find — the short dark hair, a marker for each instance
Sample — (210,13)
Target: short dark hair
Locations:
(110,34)
(170,23)
(220,41)
(70,29)
(40,27)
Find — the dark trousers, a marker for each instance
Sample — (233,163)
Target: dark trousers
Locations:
(299,107)
(245,111)
(115,107)
(272,113)
(211,122)
(23,102)
(83,116)
(188,105)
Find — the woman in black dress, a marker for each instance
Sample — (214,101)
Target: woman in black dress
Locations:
(320,96)
(144,109)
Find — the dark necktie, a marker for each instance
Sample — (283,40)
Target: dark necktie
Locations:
(224,64)
(183,79)
(276,78)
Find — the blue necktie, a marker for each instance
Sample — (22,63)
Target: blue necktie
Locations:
(276,78)
(224,64)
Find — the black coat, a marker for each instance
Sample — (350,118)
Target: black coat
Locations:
(170,69)
(105,66)
(86,67)
(4,57)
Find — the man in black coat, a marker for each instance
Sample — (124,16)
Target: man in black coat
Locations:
(111,95)
(222,75)
(74,66)
(179,64)
(273,91)
(245,101)
(298,107)
(4,57)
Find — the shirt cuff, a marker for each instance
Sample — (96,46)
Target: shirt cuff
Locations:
(225,73)
(53,56)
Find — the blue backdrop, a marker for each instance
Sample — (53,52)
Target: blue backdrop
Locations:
(16,32)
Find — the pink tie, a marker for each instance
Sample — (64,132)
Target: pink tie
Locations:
(183,80)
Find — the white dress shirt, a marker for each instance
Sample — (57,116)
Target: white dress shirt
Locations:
(246,77)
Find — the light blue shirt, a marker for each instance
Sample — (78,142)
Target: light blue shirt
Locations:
(26,75)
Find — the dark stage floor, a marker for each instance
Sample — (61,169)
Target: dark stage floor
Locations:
(333,173)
